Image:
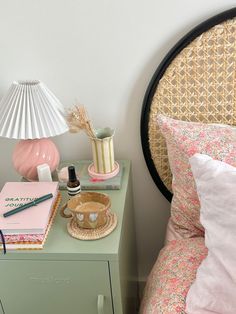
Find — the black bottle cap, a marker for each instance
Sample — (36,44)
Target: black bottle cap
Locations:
(72,174)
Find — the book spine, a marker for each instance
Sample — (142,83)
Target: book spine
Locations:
(63,186)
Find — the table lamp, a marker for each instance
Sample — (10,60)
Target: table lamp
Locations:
(31,112)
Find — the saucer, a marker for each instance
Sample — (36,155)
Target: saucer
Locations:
(93,234)
(103,176)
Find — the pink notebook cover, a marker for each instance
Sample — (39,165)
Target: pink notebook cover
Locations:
(30,220)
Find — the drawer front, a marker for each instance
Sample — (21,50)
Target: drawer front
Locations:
(55,287)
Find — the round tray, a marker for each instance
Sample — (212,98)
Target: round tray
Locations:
(103,176)
(93,234)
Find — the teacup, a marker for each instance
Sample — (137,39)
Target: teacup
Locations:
(88,209)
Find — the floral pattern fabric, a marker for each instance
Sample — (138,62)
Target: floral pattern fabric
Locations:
(172,275)
(183,140)
(14,238)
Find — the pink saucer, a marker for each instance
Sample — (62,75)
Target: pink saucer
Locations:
(103,176)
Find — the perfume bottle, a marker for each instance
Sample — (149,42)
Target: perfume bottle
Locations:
(73,183)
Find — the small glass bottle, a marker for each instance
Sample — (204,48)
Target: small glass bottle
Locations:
(73,184)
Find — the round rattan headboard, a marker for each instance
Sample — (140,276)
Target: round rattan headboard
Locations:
(194,82)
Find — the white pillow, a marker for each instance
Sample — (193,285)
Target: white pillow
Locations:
(214,290)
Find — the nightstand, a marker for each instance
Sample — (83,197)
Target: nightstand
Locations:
(73,276)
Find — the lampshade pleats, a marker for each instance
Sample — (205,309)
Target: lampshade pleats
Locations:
(30,110)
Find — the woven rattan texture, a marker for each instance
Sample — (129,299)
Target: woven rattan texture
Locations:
(92,234)
(199,85)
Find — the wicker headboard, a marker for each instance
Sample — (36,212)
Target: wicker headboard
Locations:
(195,82)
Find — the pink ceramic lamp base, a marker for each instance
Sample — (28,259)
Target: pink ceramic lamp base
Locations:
(28,154)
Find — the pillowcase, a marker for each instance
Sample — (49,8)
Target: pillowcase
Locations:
(214,289)
(183,140)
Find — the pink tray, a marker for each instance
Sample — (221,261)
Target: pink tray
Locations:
(103,176)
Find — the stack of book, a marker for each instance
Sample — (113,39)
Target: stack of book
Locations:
(28,228)
(86,181)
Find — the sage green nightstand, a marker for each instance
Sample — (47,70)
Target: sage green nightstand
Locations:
(73,276)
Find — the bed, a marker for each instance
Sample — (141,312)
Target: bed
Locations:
(195,84)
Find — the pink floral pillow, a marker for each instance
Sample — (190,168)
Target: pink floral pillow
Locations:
(183,140)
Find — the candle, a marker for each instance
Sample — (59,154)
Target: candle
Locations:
(44,173)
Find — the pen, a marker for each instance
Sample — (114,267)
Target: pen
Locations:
(28,205)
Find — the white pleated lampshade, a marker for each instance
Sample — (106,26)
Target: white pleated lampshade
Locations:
(29,110)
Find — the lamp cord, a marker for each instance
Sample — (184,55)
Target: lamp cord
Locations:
(3,242)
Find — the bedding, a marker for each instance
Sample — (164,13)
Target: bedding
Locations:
(214,289)
(171,233)
(172,275)
(183,140)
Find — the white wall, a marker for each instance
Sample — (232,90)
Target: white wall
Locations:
(102,53)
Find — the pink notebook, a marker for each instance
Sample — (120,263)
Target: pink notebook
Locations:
(32,220)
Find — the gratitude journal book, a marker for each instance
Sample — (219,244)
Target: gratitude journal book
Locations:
(33,220)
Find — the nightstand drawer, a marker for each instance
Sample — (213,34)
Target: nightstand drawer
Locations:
(55,287)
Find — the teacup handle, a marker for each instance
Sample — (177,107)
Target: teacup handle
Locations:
(62,211)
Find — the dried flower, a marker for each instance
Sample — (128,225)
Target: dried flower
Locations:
(77,120)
